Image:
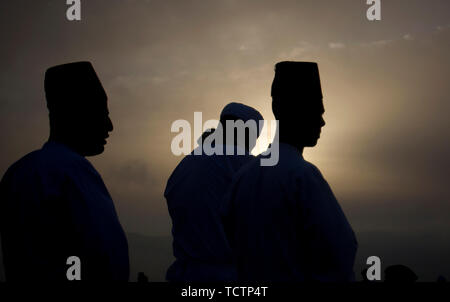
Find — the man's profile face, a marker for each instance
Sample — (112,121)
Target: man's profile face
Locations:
(95,126)
(86,125)
(303,120)
(310,123)
(77,103)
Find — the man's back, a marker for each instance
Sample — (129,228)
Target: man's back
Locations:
(54,205)
(285,224)
(194,195)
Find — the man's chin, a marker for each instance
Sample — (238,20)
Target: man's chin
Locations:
(312,143)
(99,149)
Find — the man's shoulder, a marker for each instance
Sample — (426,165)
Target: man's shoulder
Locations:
(55,160)
(26,159)
(21,164)
(303,170)
(289,165)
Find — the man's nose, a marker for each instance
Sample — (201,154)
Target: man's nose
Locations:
(322,122)
(109,124)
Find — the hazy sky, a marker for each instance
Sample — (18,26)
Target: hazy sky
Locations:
(385,149)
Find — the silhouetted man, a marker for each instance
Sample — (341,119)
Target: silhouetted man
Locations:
(284,222)
(53,203)
(194,195)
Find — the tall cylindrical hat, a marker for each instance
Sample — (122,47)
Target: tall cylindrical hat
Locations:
(296,79)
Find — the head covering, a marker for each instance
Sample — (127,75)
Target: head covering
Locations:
(205,134)
(73,84)
(241,111)
(296,79)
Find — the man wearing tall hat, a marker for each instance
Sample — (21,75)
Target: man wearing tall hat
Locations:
(194,194)
(283,221)
(53,203)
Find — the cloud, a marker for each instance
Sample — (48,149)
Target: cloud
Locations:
(132,171)
(408,37)
(377,43)
(442,27)
(336,45)
(300,50)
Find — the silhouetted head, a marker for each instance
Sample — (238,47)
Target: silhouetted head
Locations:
(78,109)
(249,116)
(399,273)
(297,102)
(441,279)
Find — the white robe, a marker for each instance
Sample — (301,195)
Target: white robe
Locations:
(194,195)
(284,223)
(54,204)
